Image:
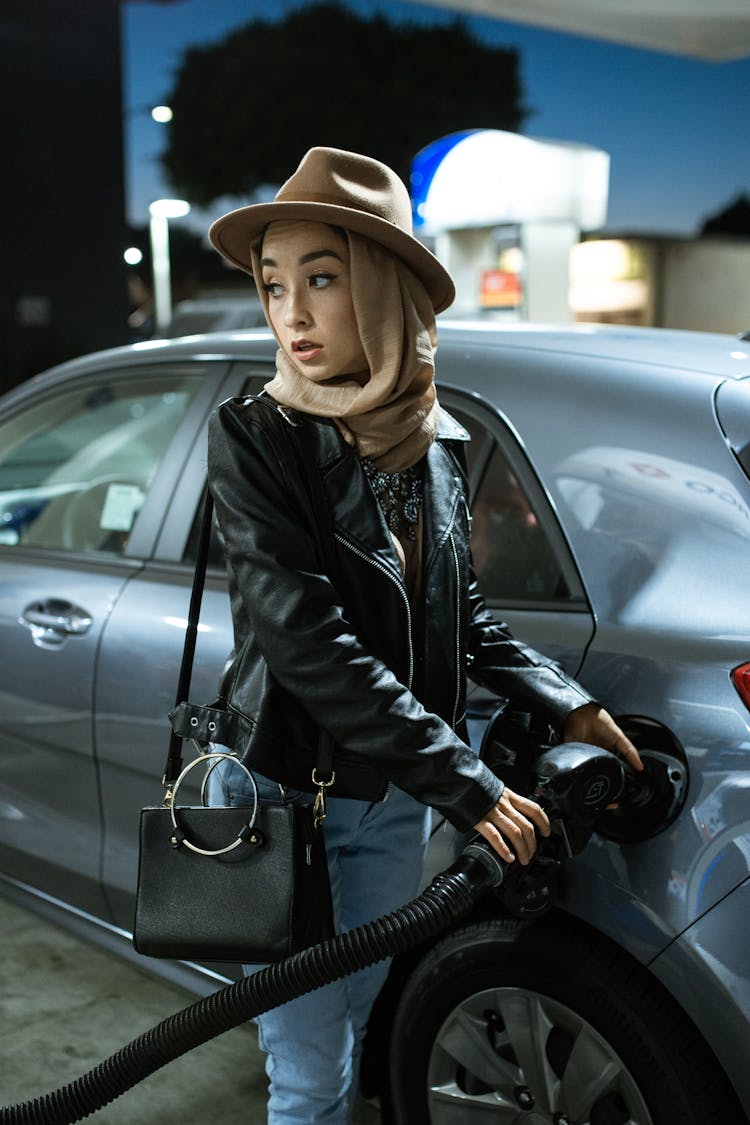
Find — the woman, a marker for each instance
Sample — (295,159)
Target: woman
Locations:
(373,648)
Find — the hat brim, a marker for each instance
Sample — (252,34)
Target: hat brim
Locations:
(234,233)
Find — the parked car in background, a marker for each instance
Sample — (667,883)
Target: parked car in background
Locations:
(610,491)
(216,312)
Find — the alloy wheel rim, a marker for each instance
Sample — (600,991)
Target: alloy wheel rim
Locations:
(511,1055)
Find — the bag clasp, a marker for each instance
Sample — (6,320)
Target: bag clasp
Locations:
(319,805)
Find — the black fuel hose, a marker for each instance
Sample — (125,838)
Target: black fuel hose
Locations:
(448,897)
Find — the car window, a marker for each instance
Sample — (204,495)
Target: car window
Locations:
(75,468)
(478,449)
(515,557)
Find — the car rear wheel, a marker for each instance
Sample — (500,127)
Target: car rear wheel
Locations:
(529,1024)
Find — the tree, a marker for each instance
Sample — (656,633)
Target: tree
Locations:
(248,107)
(734,219)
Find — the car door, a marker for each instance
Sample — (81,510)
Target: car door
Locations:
(140,661)
(522,560)
(86,463)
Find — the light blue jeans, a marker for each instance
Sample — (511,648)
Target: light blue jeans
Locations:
(314,1043)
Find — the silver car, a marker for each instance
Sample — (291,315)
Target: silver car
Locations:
(610,487)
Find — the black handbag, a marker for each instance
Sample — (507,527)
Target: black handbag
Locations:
(229,884)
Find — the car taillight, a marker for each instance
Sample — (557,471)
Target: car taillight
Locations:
(741,680)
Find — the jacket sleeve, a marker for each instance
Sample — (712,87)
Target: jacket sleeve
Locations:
(511,669)
(301,629)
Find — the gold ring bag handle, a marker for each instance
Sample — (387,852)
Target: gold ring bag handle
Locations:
(248,833)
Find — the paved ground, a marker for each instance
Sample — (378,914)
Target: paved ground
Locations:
(65,1005)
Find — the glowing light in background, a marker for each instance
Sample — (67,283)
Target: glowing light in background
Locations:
(489,176)
(162,114)
(161,211)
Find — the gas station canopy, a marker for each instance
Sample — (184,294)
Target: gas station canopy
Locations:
(715,30)
(483,177)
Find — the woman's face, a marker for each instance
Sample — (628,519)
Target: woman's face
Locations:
(306,276)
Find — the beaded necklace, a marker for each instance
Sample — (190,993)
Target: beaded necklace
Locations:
(399,496)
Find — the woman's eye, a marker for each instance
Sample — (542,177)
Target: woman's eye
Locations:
(320,280)
(273,288)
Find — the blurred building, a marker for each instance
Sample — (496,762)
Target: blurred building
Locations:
(701,284)
(519,223)
(470,187)
(62,279)
(695,283)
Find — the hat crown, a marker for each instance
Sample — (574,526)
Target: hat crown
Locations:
(347,179)
(342,189)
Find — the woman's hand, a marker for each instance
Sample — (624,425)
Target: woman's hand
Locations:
(592,724)
(510,824)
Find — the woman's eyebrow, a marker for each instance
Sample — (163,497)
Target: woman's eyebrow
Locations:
(311,257)
(319,254)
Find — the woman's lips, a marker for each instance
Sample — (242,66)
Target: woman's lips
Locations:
(306,350)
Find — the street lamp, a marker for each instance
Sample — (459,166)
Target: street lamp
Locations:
(161,211)
(162,114)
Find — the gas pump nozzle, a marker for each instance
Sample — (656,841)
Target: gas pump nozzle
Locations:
(575,784)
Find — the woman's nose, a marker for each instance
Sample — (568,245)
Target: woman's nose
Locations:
(296,311)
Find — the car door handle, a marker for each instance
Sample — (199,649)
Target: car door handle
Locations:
(55,617)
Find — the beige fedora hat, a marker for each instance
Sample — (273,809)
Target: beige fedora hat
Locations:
(347,190)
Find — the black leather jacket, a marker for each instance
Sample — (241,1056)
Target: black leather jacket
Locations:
(389,685)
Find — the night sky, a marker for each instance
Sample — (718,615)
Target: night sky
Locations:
(676,128)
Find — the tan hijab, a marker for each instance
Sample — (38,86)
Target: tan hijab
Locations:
(389,414)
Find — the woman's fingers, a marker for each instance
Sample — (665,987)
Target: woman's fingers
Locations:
(625,748)
(510,825)
(591,723)
(529,808)
(487,829)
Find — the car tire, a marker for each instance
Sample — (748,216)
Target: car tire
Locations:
(547,1022)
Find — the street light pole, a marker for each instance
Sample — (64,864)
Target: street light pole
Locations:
(161,211)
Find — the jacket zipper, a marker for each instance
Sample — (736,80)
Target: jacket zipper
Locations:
(458,630)
(399,586)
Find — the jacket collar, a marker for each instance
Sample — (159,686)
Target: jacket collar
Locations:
(442,492)
(357,514)
(449,429)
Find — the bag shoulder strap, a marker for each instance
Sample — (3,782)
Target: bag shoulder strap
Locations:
(173,766)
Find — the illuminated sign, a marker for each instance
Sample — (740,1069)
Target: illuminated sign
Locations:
(485,177)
